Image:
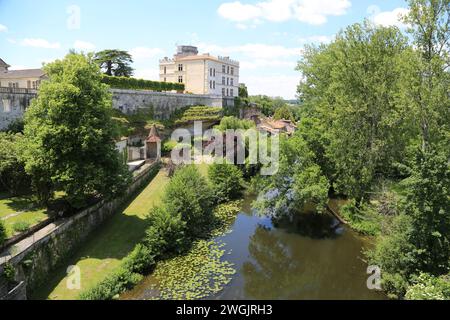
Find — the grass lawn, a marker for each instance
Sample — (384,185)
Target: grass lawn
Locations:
(20,210)
(103,252)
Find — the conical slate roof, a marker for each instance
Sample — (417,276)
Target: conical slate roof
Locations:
(154,135)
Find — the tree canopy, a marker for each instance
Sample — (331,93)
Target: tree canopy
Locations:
(115,63)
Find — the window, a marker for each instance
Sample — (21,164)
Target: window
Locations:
(29,84)
(180,79)
(228,92)
(210,84)
(232,82)
(223,69)
(214,73)
(165,70)
(214,85)
(223,92)
(165,79)
(232,71)
(232,92)
(180,67)
(228,69)
(228,81)
(223,80)
(210,72)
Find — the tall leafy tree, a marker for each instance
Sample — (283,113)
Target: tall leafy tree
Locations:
(69,134)
(115,62)
(350,86)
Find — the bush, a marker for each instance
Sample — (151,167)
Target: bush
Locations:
(365,220)
(166,233)
(227,181)
(140,260)
(233,123)
(2,233)
(21,226)
(190,196)
(113,286)
(136,84)
(428,287)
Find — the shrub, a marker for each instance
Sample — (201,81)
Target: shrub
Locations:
(428,287)
(113,285)
(166,233)
(2,233)
(233,123)
(136,84)
(227,181)
(365,219)
(140,260)
(9,272)
(190,196)
(21,226)
(168,146)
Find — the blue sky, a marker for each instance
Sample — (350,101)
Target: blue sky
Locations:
(266,36)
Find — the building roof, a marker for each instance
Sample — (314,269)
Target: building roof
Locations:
(154,135)
(3,63)
(18,74)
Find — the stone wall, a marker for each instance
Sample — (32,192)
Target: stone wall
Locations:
(13,103)
(163,103)
(35,263)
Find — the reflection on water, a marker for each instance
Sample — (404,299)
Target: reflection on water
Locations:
(308,257)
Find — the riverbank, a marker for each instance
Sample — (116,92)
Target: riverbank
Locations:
(105,250)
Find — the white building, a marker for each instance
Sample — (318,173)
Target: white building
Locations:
(201,74)
(24,79)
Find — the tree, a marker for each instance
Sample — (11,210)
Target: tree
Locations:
(227,181)
(12,168)
(351,87)
(190,196)
(2,233)
(115,63)
(427,83)
(283,113)
(243,91)
(69,135)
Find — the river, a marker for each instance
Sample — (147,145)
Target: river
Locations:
(308,257)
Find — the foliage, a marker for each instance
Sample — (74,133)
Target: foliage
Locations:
(428,287)
(283,113)
(227,181)
(69,135)
(233,123)
(21,226)
(141,84)
(267,104)
(198,113)
(298,182)
(114,62)
(243,91)
(165,235)
(115,284)
(189,196)
(12,168)
(16,126)
(9,272)
(365,219)
(168,146)
(351,86)
(2,233)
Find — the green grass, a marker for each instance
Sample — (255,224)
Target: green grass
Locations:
(20,210)
(104,251)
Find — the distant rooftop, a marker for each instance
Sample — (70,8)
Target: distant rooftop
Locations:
(190,53)
(17,74)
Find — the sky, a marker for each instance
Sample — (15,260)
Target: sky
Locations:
(266,36)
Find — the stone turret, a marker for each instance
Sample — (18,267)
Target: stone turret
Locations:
(153,144)
(3,66)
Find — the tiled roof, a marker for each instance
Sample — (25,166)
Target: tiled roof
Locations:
(3,63)
(17,74)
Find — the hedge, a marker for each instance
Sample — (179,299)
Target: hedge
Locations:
(141,84)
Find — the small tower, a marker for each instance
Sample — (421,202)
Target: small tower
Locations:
(153,145)
(3,66)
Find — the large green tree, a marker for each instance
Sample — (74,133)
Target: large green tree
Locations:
(115,62)
(350,86)
(69,134)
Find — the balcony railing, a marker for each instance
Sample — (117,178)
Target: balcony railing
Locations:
(17,90)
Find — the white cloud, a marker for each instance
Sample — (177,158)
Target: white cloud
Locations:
(390,18)
(272,85)
(3,28)
(264,63)
(40,43)
(83,45)
(315,12)
(145,53)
